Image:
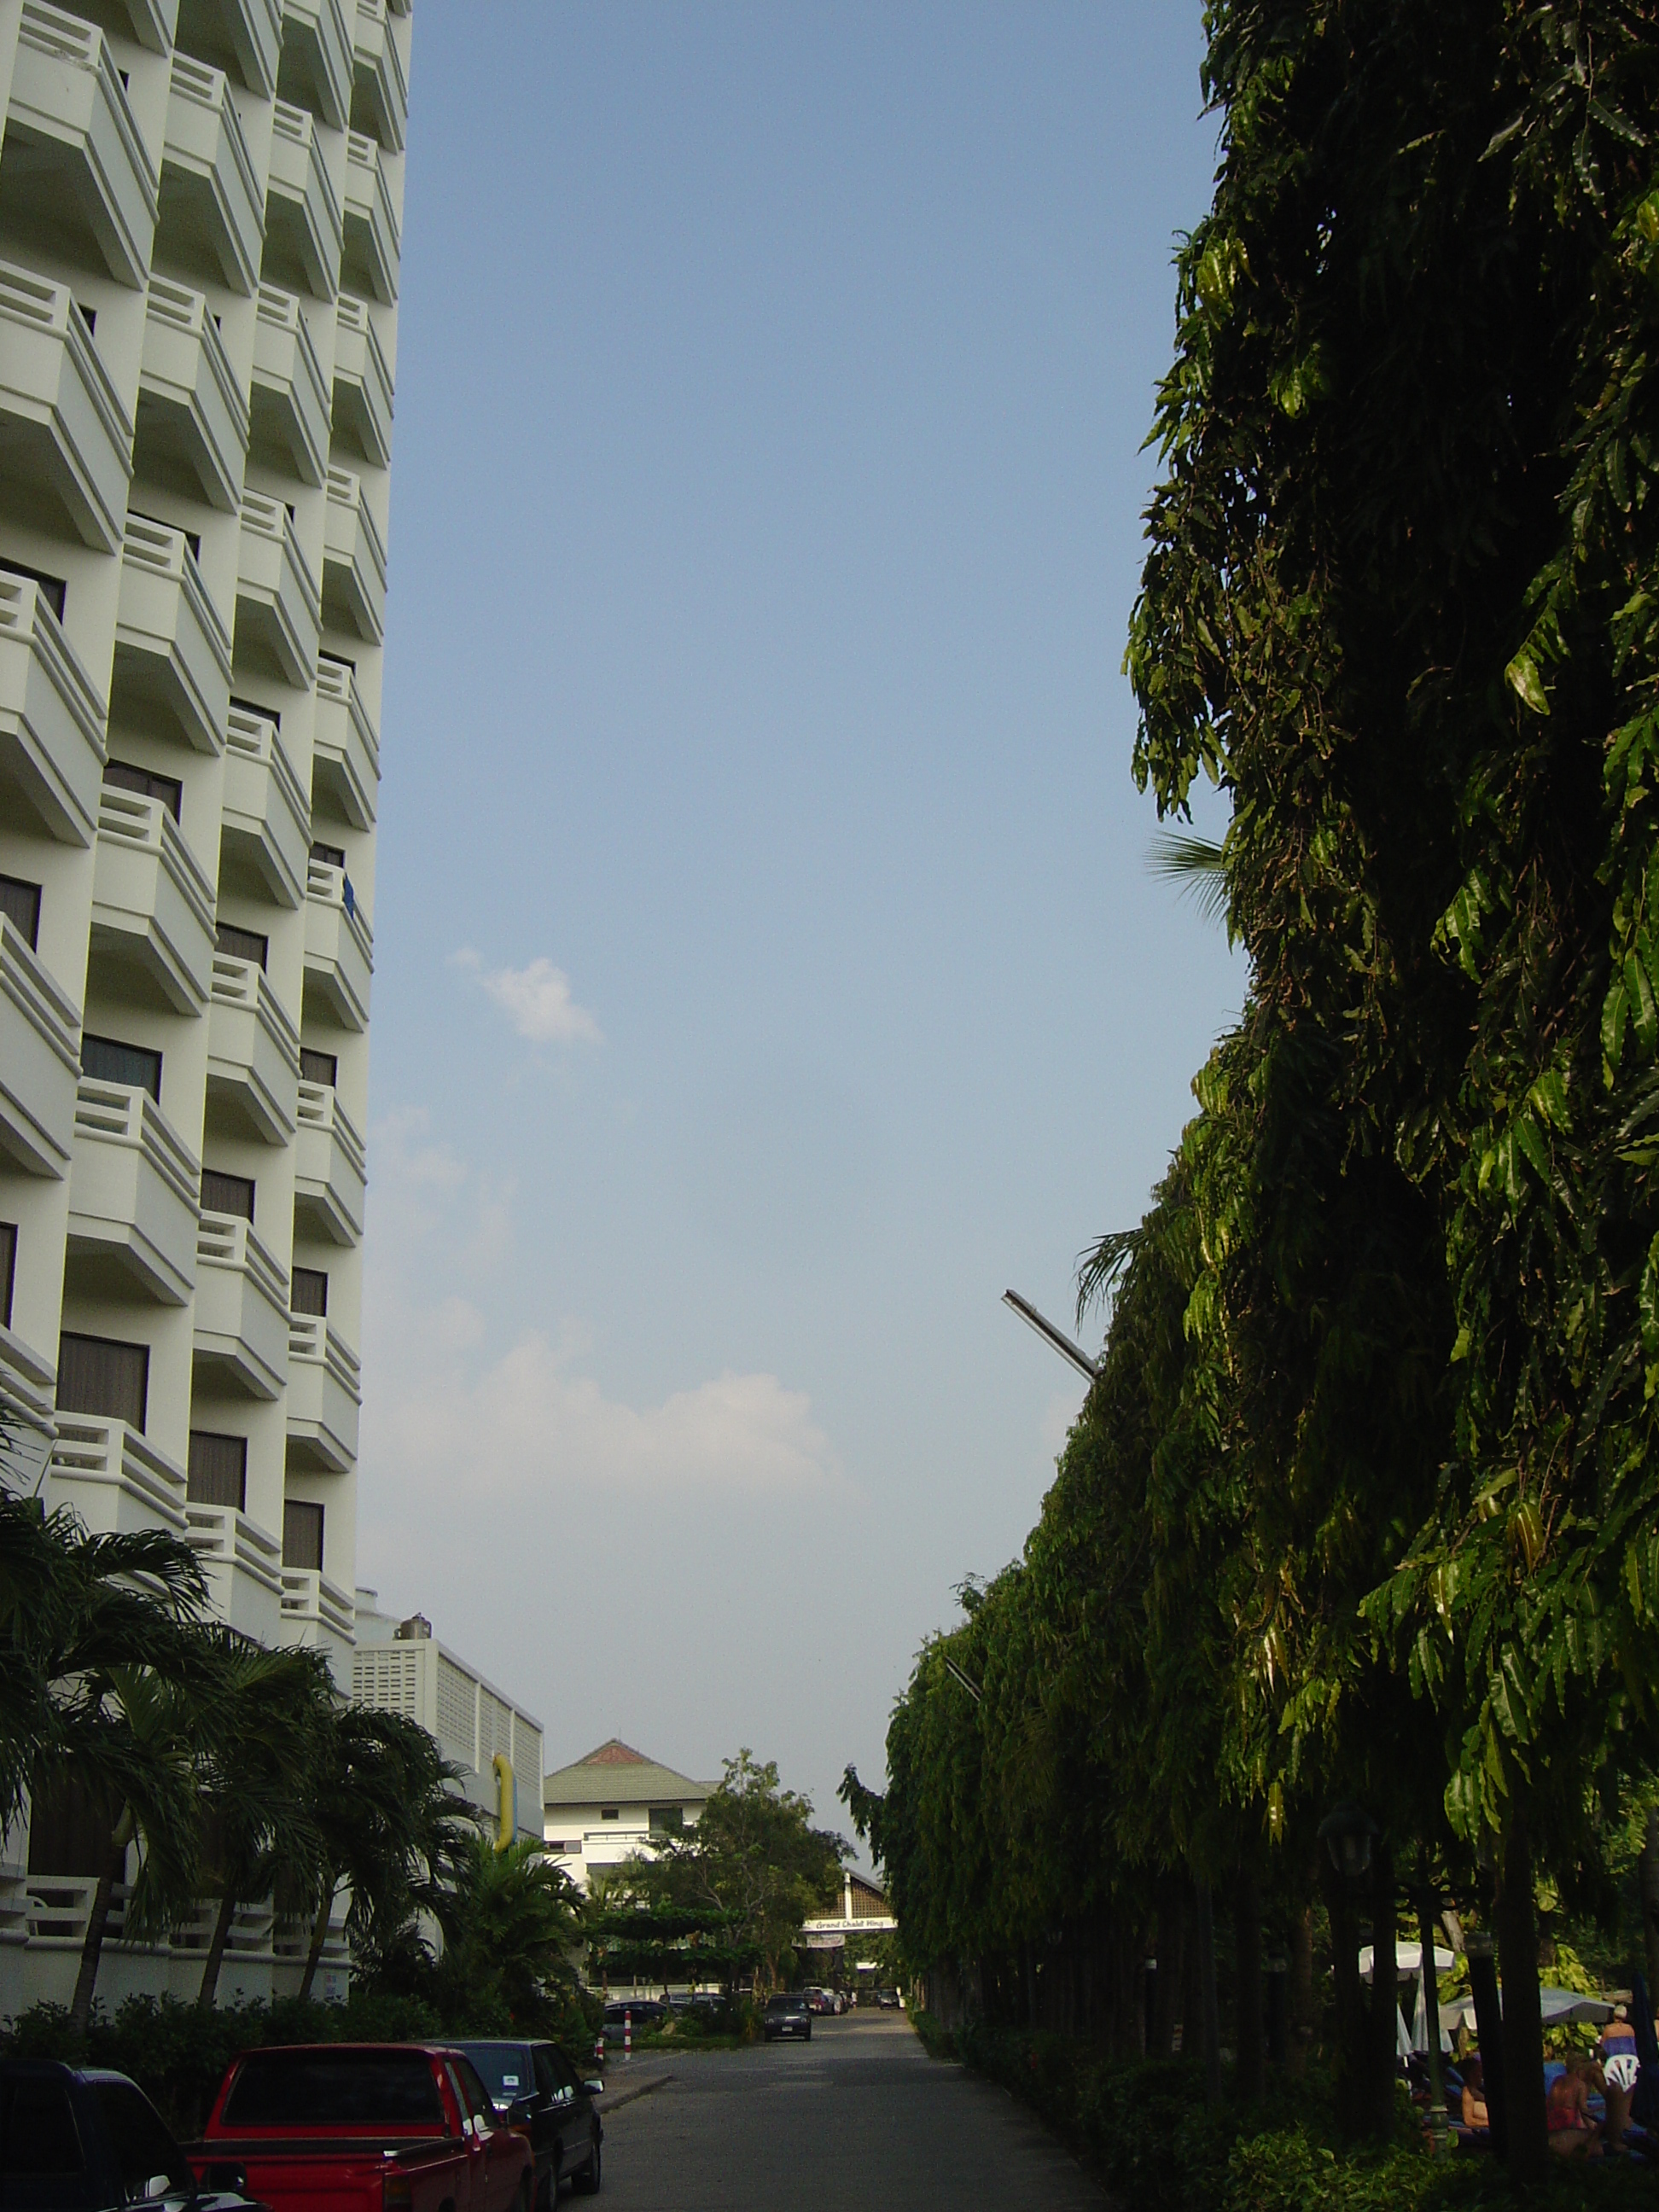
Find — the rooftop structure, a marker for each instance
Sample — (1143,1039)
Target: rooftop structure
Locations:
(604,1808)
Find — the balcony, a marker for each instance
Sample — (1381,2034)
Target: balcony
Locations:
(62,428)
(152,901)
(253,1048)
(372,244)
(243,1565)
(324,1393)
(133,1190)
(210,197)
(278,613)
(39,1060)
(362,384)
(345,753)
(190,411)
(265,816)
(172,648)
(52,720)
(339,945)
(315,1610)
(380,91)
(290,395)
(242,1307)
(252,30)
(302,213)
(330,1167)
(354,560)
(317,49)
(115,1478)
(73,156)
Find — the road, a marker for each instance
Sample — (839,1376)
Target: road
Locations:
(858,2118)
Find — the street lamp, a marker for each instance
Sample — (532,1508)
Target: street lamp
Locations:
(1057,1339)
(1347,1834)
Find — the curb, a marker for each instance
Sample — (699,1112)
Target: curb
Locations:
(628,2096)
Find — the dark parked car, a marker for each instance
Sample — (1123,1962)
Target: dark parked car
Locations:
(888,2000)
(791,2015)
(648,2014)
(538,2088)
(81,2140)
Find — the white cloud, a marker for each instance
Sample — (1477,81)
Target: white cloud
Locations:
(536,1000)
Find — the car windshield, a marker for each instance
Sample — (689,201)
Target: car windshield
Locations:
(143,2148)
(507,2069)
(338,2088)
(786,2004)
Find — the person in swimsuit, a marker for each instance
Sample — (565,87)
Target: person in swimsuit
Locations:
(1474,2093)
(1572,2128)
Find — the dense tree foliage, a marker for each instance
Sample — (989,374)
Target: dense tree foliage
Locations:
(1365,1505)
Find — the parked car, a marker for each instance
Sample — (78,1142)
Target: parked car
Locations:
(888,2000)
(819,2002)
(538,2089)
(647,2015)
(80,2139)
(787,2016)
(363,2127)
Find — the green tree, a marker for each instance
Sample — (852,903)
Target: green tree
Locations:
(512,1926)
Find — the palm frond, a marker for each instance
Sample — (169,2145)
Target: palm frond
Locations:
(1099,1268)
(1197,866)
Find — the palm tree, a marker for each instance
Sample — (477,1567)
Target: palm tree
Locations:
(372,1777)
(257,1747)
(514,1919)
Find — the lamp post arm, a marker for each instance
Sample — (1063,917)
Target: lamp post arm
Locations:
(1057,1338)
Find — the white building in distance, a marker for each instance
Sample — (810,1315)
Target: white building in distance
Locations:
(614,1803)
(200,211)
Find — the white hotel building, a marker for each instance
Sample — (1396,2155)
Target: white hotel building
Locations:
(200,204)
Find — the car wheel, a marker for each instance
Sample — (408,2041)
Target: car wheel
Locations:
(586,2183)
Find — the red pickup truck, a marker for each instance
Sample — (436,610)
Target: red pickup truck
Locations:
(363,2127)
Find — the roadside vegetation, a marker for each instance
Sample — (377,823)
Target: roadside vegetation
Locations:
(1360,1522)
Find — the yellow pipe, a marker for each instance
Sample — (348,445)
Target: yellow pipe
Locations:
(506,1802)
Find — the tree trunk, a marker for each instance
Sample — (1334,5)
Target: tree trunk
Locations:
(1348,2068)
(215,1952)
(1384,2041)
(1168,1982)
(1211,2021)
(115,1866)
(1304,2020)
(1251,2078)
(1649,1889)
(1524,2029)
(319,1937)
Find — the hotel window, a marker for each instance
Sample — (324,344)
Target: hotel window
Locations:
(302,1535)
(218,1469)
(101,1375)
(107,1059)
(226,1193)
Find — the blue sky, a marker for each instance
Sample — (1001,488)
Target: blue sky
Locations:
(767,971)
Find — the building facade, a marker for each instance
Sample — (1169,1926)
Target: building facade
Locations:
(200,209)
(399,1666)
(604,1808)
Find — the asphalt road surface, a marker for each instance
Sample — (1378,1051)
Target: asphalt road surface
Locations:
(858,2118)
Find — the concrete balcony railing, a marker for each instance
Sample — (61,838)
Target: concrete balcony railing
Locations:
(190,408)
(27,1380)
(115,1478)
(265,816)
(372,247)
(134,1189)
(314,32)
(290,393)
(316,1610)
(77,157)
(331,1172)
(253,1049)
(345,753)
(52,720)
(354,560)
(243,1565)
(39,1060)
(339,945)
(241,1306)
(279,607)
(152,900)
(254,30)
(62,428)
(325,1390)
(210,196)
(381,89)
(171,648)
(362,383)
(302,210)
